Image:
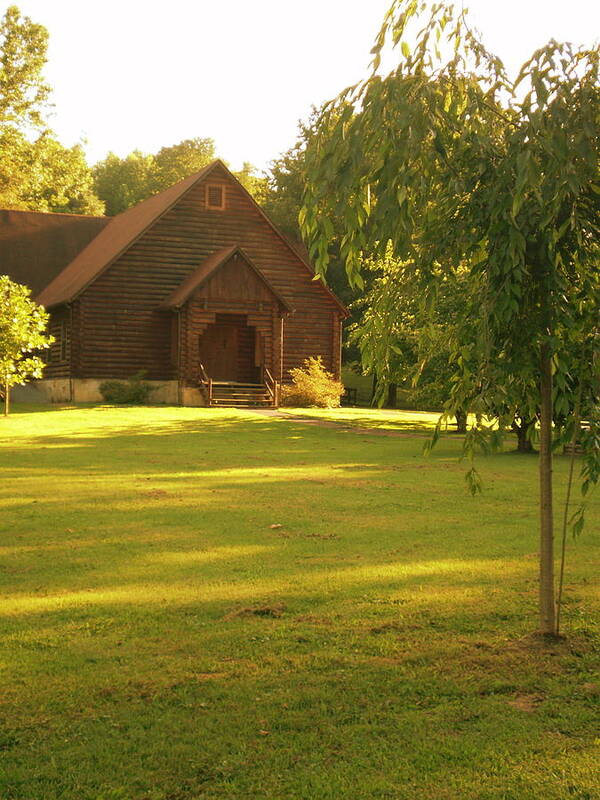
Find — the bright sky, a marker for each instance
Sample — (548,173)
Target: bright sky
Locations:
(140,74)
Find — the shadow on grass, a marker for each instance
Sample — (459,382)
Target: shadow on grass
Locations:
(102,503)
(236,606)
(374,419)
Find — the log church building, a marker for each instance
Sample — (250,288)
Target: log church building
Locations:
(194,286)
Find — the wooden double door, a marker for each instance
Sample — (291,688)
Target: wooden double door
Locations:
(229,350)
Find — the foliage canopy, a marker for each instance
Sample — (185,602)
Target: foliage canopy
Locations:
(451,163)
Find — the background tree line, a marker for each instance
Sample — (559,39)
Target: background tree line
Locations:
(36,170)
(38,173)
(123,182)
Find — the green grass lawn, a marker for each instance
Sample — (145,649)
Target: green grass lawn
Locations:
(202,603)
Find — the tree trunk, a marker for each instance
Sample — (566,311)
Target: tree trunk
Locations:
(547,604)
(521,429)
(461,420)
(392,395)
(6,397)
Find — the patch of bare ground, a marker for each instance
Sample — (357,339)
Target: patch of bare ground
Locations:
(274,612)
(388,627)
(548,657)
(526,702)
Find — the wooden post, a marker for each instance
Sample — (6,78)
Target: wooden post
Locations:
(281,346)
(336,346)
(340,344)
(546,589)
(178,360)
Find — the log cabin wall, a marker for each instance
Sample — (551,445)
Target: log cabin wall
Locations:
(122,330)
(58,355)
(77,328)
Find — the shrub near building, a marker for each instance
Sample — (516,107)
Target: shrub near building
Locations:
(135,391)
(312,385)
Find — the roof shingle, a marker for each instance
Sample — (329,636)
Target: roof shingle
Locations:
(117,236)
(35,246)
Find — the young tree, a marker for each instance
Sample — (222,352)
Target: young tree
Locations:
(22,332)
(452,162)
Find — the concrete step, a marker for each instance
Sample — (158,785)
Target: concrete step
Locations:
(236,385)
(240,395)
(228,403)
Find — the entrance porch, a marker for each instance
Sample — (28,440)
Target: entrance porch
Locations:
(228,332)
(232,370)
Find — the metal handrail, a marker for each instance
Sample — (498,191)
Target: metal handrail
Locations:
(205,380)
(271,385)
(269,382)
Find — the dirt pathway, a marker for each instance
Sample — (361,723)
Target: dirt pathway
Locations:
(341,425)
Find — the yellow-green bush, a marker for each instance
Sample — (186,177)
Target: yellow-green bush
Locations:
(312,385)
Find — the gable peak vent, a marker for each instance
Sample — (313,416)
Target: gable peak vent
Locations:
(215,196)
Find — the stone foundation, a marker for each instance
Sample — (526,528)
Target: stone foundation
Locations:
(192,396)
(56,390)
(87,390)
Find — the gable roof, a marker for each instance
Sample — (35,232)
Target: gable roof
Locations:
(123,230)
(36,246)
(207,269)
(299,250)
(120,233)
